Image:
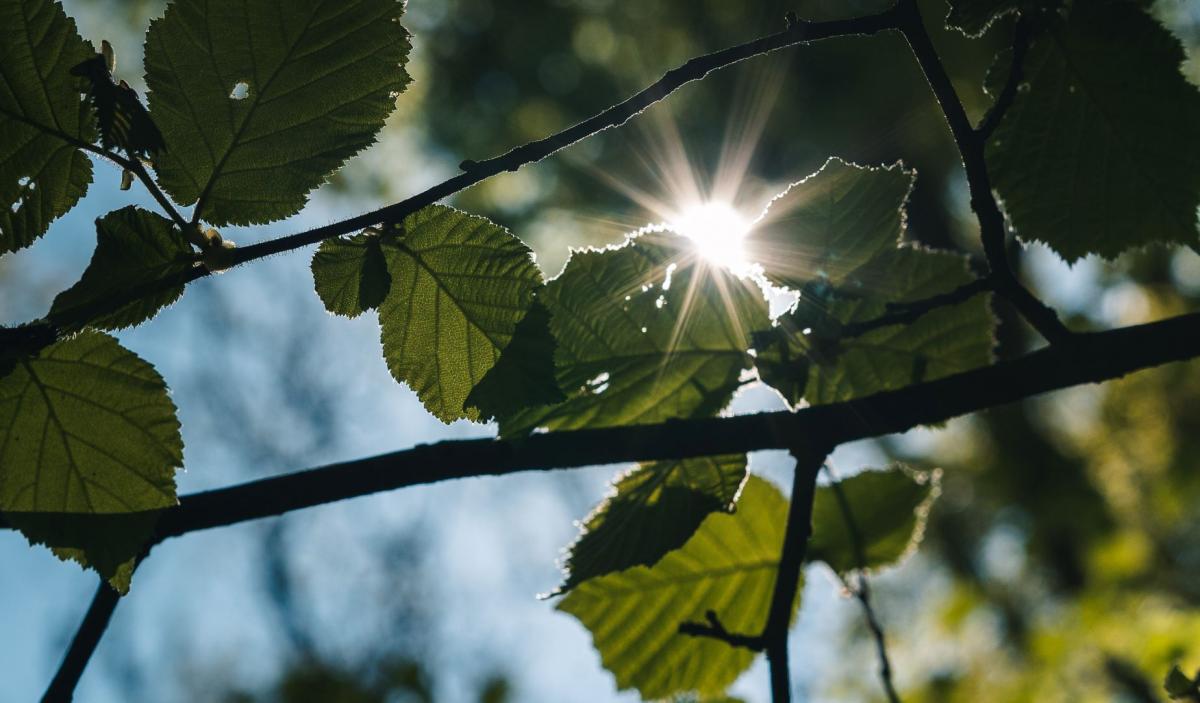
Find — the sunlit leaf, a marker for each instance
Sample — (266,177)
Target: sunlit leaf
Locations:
(132,247)
(351,274)
(87,429)
(460,285)
(645,333)
(524,375)
(260,102)
(888,509)
(1100,152)
(941,342)
(830,224)
(43,119)
(653,509)
(728,566)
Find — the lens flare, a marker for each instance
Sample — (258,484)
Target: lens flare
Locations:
(718,231)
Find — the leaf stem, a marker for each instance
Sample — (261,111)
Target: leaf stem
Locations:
(971,145)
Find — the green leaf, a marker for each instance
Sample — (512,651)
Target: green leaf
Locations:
(653,509)
(831,223)
(523,377)
(133,247)
(826,367)
(889,508)
(260,102)
(351,274)
(728,567)
(1101,152)
(43,119)
(974,17)
(89,445)
(460,285)
(645,332)
(1179,686)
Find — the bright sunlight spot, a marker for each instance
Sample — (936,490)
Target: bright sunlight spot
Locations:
(718,231)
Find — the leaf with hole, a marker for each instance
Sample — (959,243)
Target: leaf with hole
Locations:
(89,445)
(1100,152)
(43,120)
(133,247)
(260,102)
(728,566)
(653,509)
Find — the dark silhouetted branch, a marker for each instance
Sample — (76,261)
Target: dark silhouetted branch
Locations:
(95,622)
(714,629)
(1022,33)
(971,148)
(908,313)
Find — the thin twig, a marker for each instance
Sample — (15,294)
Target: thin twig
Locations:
(908,313)
(714,629)
(862,589)
(1022,33)
(983,202)
(95,622)
(799,32)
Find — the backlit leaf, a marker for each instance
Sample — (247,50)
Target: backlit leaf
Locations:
(1101,152)
(653,509)
(87,430)
(259,102)
(133,247)
(728,566)
(830,224)
(459,286)
(888,509)
(645,332)
(42,119)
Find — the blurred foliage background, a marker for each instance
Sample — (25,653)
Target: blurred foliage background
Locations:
(1063,560)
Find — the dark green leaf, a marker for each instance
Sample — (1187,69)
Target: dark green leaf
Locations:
(133,247)
(124,123)
(460,285)
(524,376)
(888,508)
(260,102)
(351,274)
(653,509)
(42,119)
(87,429)
(645,333)
(728,567)
(830,224)
(1101,150)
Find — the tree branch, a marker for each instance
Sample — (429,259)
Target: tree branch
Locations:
(796,33)
(791,560)
(95,622)
(714,629)
(971,148)
(1093,358)
(862,589)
